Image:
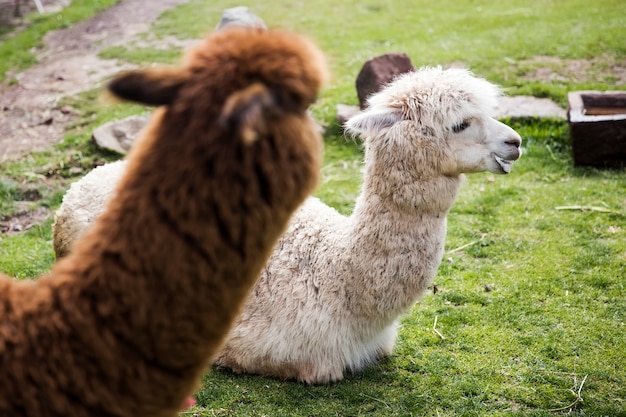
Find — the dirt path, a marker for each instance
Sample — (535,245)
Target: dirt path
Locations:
(30,117)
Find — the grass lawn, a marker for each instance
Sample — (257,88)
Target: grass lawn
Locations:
(528,313)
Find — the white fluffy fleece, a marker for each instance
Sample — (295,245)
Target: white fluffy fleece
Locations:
(330,296)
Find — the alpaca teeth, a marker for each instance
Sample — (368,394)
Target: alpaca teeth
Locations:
(504,164)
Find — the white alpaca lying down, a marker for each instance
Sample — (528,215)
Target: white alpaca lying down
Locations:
(331,293)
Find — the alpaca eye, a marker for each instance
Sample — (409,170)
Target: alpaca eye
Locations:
(460,127)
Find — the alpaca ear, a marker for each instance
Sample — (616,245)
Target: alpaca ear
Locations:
(154,86)
(245,111)
(370,122)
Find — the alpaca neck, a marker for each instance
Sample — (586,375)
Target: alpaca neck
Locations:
(397,240)
(155,254)
(136,289)
(160,277)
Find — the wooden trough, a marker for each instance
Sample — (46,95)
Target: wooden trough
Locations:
(597,123)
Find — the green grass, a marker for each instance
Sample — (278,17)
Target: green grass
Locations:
(506,42)
(27,255)
(553,320)
(529,313)
(498,40)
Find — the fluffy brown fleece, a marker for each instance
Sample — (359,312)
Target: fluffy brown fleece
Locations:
(126,324)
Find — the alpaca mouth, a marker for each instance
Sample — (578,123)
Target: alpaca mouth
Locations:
(505,164)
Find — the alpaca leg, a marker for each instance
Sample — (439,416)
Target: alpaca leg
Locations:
(388,341)
(321,373)
(300,371)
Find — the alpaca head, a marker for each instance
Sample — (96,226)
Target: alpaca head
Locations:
(251,74)
(232,136)
(440,122)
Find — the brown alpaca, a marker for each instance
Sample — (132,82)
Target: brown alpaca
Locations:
(127,323)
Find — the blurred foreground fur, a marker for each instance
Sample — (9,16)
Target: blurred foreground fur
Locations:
(126,324)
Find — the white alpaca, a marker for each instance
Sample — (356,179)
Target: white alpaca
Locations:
(83,202)
(332,291)
(330,295)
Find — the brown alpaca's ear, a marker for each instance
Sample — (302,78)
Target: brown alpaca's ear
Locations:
(246,110)
(154,86)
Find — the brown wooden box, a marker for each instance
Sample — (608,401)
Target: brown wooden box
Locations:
(597,123)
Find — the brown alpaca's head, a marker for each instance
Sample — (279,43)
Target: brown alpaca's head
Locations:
(248,74)
(231,152)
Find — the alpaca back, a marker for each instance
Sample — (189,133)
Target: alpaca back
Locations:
(82,203)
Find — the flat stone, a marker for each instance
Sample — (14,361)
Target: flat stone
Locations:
(528,106)
(119,135)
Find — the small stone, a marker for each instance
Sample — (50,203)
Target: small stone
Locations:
(240,16)
(528,106)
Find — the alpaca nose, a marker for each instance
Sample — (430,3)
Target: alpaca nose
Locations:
(514,141)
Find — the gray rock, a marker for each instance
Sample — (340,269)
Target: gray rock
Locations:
(378,71)
(240,16)
(119,135)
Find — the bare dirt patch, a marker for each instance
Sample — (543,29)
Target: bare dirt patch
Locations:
(11,11)
(24,220)
(601,69)
(30,116)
